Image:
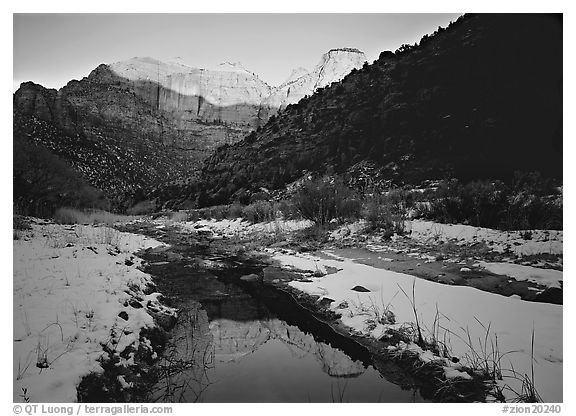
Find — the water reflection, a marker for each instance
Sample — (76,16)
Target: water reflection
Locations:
(231,348)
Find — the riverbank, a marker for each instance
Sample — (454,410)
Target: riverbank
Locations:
(436,312)
(473,327)
(253,342)
(84,314)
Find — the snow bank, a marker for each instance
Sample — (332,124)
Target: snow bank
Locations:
(243,228)
(349,230)
(521,243)
(462,311)
(70,285)
(546,277)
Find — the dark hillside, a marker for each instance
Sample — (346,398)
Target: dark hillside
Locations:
(480,99)
(102,131)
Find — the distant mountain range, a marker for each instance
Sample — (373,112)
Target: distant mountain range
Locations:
(140,123)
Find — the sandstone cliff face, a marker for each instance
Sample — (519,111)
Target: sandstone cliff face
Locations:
(170,102)
(333,66)
(228,94)
(158,120)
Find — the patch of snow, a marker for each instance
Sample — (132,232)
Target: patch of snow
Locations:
(540,241)
(348,230)
(462,311)
(453,373)
(69,285)
(242,228)
(546,277)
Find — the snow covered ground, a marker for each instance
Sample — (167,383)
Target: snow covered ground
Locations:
(470,320)
(545,277)
(70,283)
(475,325)
(521,243)
(243,228)
(514,245)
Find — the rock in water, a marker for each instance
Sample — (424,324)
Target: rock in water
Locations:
(360,289)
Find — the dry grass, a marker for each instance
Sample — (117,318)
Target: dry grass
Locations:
(483,358)
(74,216)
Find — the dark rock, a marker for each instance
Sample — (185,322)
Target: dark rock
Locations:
(123,315)
(163,320)
(360,289)
(171,256)
(325,302)
(135,304)
(275,273)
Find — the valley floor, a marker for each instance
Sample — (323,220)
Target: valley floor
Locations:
(483,300)
(464,287)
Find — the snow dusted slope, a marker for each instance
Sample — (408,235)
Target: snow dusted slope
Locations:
(463,311)
(227,84)
(73,288)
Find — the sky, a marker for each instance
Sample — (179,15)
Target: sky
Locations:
(51,49)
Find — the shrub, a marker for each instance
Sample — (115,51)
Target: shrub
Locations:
(178,216)
(528,202)
(235,211)
(217,212)
(142,208)
(193,215)
(386,213)
(259,211)
(288,210)
(527,211)
(67,215)
(20,223)
(478,203)
(323,200)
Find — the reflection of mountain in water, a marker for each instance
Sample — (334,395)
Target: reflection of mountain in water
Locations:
(232,340)
(239,324)
(234,345)
(231,336)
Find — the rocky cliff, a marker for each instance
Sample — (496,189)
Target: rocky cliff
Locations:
(228,94)
(142,123)
(333,66)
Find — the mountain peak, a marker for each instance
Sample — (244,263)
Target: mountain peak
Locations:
(232,67)
(294,75)
(350,50)
(336,63)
